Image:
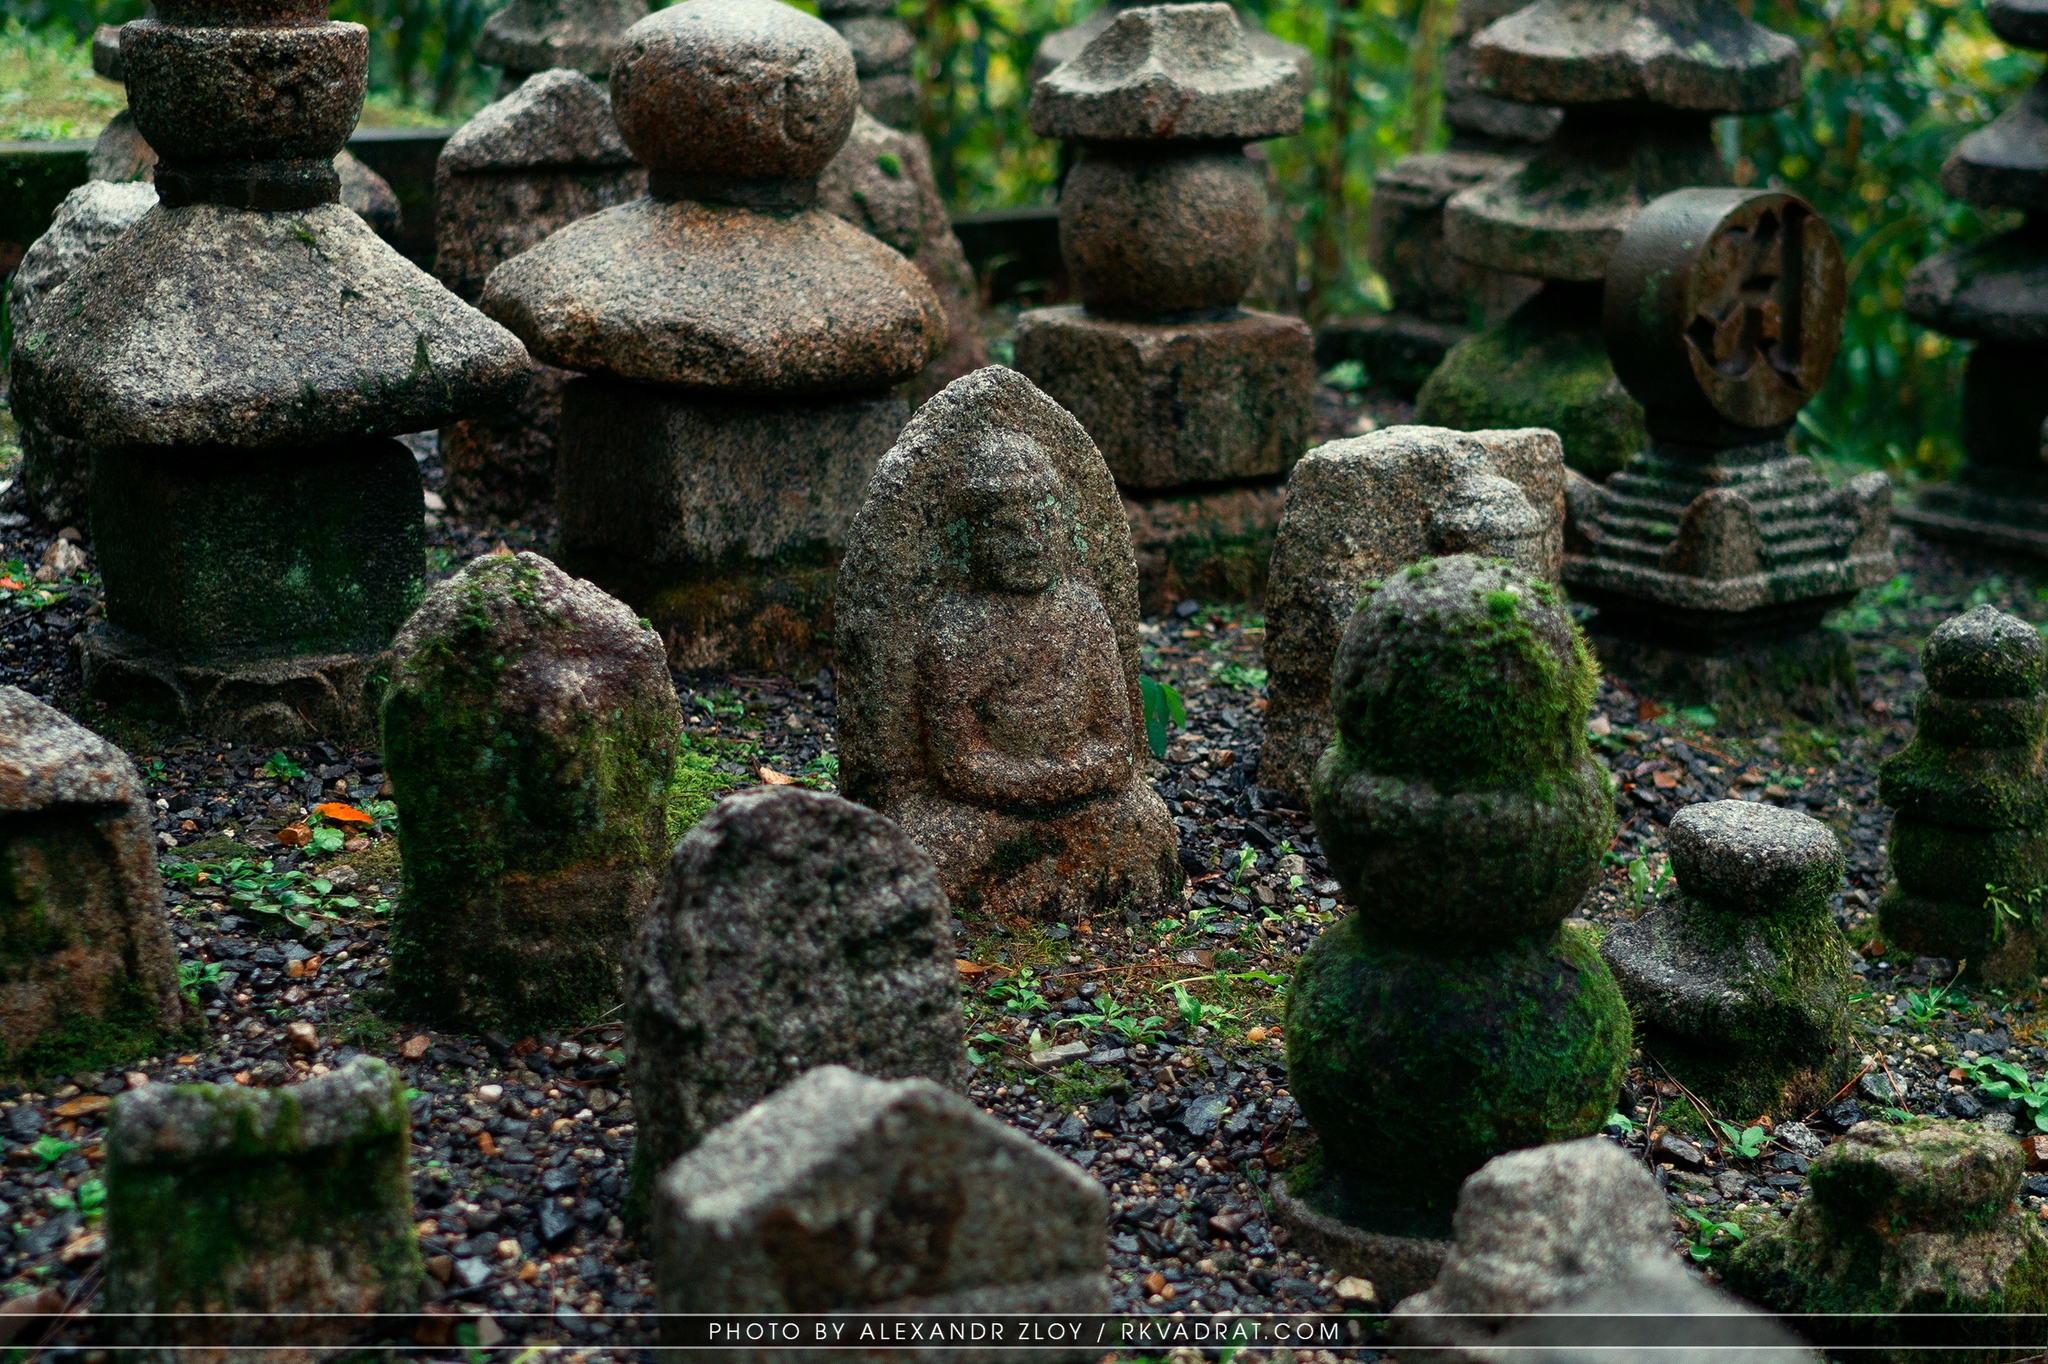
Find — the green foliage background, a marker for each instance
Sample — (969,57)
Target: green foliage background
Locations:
(1890,86)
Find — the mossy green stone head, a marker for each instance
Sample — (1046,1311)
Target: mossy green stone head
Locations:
(1984,653)
(1463,671)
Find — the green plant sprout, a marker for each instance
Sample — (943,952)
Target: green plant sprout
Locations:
(1643,887)
(1709,1233)
(279,767)
(1925,1006)
(1247,858)
(1163,706)
(1746,1142)
(2000,898)
(1122,1021)
(49,1150)
(2007,1082)
(1194,1013)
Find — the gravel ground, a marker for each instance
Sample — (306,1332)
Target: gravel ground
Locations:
(1146,1047)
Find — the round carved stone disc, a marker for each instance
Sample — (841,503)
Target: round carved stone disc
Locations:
(1725,306)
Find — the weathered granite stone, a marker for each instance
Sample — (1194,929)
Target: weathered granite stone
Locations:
(56,471)
(1639,81)
(881,181)
(722,289)
(1907,1224)
(1995,293)
(1164,222)
(1067,43)
(1740,979)
(1360,510)
(794,929)
(843,1193)
(720,518)
(1969,796)
(1665,1319)
(883,47)
(289,1207)
(1176,404)
(208,325)
(91,975)
(1723,312)
(1179,72)
(986,634)
(1475,115)
(1453,1016)
(1571,1227)
(527,165)
(529,36)
(530,732)
(734,88)
(749,302)
(106,53)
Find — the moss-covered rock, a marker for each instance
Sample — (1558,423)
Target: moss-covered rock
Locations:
(1449,1019)
(1460,794)
(1740,979)
(284,1204)
(1969,840)
(1545,366)
(1917,1218)
(88,974)
(1421,1066)
(530,732)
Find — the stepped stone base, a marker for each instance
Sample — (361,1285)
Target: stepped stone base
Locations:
(1973,516)
(1741,678)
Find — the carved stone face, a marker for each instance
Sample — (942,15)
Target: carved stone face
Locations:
(1013,513)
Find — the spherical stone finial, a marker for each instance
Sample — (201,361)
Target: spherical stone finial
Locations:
(740,89)
(1724,306)
(1463,671)
(1985,653)
(1755,857)
(1170,72)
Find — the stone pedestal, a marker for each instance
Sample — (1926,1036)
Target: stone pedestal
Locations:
(1716,552)
(1740,978)
(1210,546)
(1170,405)
(722,520)
(1162,226)
(237,360)
(1996,294)
(1639,84)
(740,342)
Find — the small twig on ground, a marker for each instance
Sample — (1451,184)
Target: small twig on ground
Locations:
(1843,1090)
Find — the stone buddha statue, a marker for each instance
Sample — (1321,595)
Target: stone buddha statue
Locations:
(988,683)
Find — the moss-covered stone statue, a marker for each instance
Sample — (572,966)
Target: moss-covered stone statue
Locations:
(290,1206)
(1740,977)
(530,733)
(1917,1218)
(1969,795)
(1453,1015)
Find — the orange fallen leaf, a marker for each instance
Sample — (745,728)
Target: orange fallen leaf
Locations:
(486,1143)
(969,968)
(10,584)
(295,835)
(774,778)
(345,814)
(83,1105)
(416,1047)
(1664,780)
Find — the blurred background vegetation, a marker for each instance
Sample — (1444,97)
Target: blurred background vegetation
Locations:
(1890,86)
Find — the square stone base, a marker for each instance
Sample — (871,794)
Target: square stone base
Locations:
(720,520)
(1961,514)
(1172,404)
(1743,680)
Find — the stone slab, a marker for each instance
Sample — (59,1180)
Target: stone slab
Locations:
(1211,545)
(1996,290)
(1170,405)
(1708,57)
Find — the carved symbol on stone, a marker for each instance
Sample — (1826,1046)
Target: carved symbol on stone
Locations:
(1724,306)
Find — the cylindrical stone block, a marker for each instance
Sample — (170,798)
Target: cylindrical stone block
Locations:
(1146,235)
